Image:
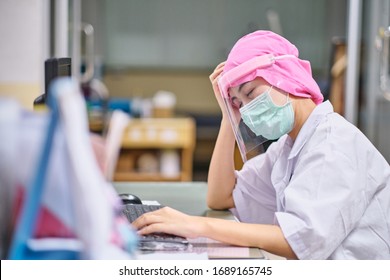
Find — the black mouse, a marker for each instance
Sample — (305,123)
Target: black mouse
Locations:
(130,198)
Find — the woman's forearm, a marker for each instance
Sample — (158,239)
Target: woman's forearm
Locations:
(267,237)
(221,178)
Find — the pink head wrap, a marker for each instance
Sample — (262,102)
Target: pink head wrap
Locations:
(290,74)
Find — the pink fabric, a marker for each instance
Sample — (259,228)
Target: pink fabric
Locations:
(47,224)
(292,75)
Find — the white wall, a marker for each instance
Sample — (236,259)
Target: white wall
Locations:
(23,48)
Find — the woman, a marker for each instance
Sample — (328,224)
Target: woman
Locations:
(321,191)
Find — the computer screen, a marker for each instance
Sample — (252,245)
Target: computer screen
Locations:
(54,68)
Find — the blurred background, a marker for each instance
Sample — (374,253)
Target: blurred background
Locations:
(152,59)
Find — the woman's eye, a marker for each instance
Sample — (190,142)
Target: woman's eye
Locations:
(249,93)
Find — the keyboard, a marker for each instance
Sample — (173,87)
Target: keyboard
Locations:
(133,211)
(153,241)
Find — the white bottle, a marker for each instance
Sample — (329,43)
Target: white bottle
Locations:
(170,163)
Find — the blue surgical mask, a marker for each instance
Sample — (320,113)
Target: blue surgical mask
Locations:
(267,119)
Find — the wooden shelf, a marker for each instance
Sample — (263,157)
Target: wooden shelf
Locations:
(153,137)
(146,177)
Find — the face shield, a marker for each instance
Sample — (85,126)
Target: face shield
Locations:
(249,144)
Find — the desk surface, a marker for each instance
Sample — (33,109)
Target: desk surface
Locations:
(187,197)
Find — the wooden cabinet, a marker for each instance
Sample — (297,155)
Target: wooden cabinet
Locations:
(157,149)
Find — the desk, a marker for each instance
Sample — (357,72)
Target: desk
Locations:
(187,197)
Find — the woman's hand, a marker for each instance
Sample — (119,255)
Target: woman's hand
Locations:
(171,221)
(214,82)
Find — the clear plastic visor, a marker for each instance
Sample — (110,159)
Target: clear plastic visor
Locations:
(248,143)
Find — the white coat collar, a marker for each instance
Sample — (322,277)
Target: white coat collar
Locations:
(308,128)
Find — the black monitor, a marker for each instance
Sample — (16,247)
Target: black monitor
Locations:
(54,68)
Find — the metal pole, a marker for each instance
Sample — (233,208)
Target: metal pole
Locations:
(353,60)
(61,28)
(372,89)
(76,39)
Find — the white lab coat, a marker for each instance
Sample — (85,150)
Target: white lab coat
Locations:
(329,191)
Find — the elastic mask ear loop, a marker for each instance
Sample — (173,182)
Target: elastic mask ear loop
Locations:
(269,93)
(287,98)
